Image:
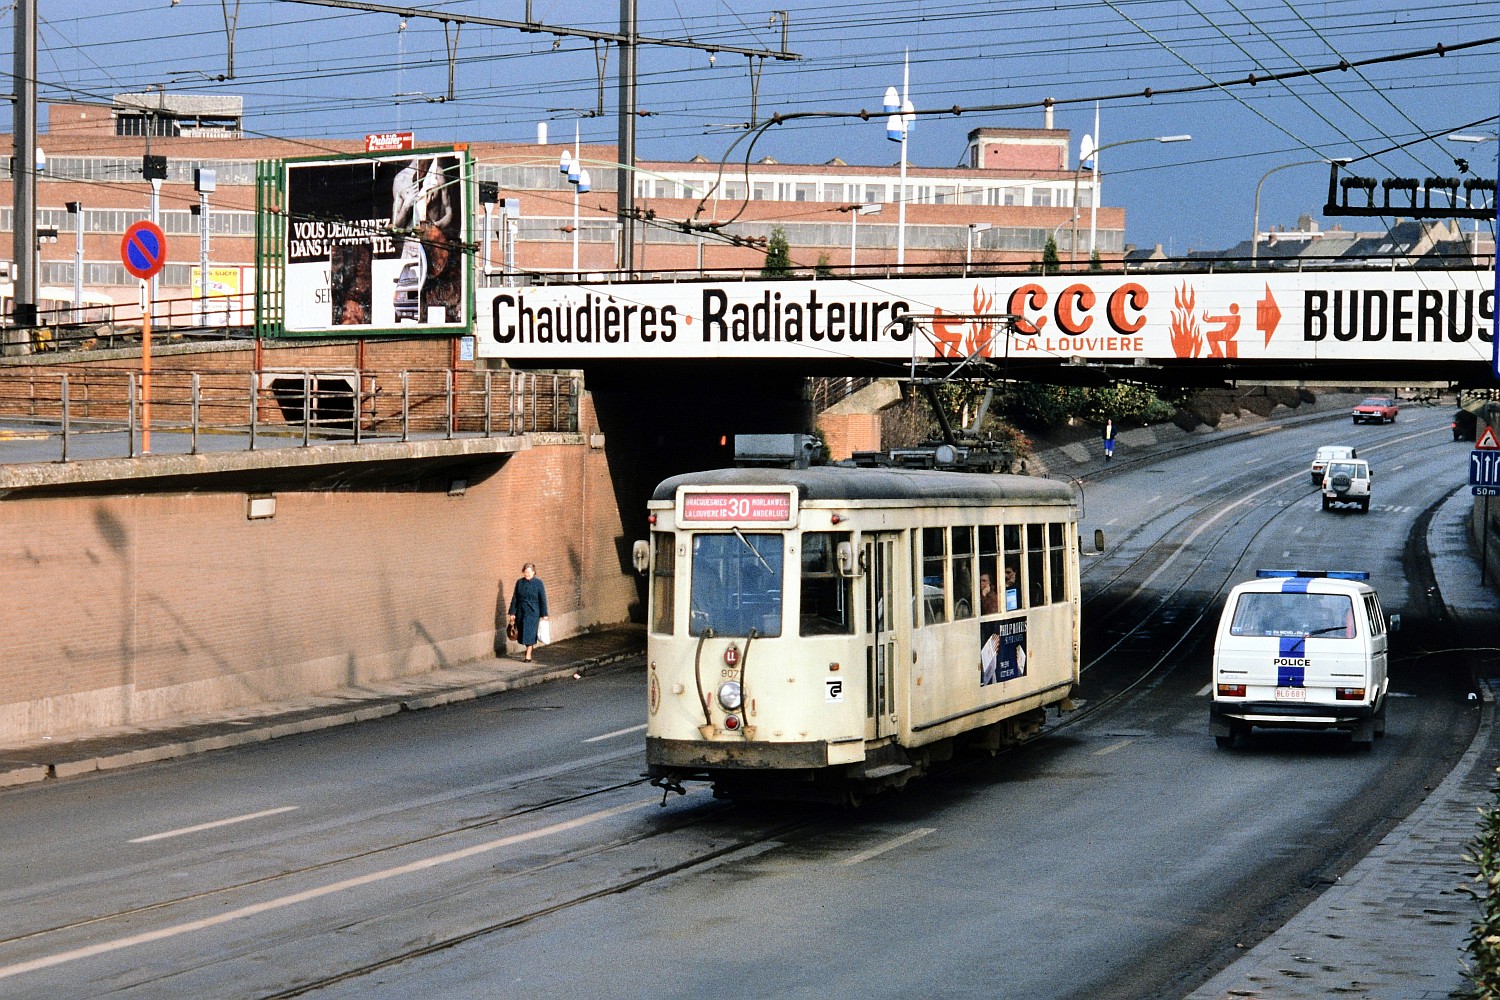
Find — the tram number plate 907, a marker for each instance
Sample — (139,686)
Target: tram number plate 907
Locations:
(1291,694)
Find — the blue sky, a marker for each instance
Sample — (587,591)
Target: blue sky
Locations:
(310,72)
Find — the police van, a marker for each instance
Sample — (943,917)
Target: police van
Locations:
(1302,649)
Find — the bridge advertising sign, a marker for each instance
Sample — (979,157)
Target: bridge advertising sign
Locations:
(1395,316)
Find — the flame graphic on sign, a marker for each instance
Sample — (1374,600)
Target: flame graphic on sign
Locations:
(981,328)
(1187,341)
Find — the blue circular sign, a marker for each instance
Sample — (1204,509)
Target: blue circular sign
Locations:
(143,249)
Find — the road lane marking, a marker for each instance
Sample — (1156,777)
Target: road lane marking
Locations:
(1113,747)
(184,831)
(192,926)
(1201,479)
(889,845)
(1206,689)
(617,732)
(1153,500)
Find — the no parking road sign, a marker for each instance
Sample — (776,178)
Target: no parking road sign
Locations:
(144,249)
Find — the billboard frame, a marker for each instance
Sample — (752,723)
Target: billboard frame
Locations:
(358,265)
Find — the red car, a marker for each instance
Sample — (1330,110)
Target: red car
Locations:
(1376,410)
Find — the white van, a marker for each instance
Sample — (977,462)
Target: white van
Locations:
(1302,649)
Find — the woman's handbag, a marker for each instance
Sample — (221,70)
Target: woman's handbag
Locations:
(513,631)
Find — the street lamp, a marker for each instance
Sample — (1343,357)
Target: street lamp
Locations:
(974,227)
(75,209)
(205,180)
(855,211)
(897,128)
(1088,151)
(571,167)
(1255,228)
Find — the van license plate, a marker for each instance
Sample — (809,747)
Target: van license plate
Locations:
(1291,694)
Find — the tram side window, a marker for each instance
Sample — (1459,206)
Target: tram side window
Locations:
(963,572)
(663,582)
(827,597)
(1010,587)
(989,570)
(736,584)
(1057,536)
(934,587)
(1036,565)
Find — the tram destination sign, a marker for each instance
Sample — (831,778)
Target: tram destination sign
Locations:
(737,507)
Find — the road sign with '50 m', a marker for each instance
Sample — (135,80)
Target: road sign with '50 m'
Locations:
(1484,468)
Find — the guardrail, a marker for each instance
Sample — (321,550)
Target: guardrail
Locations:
(274,408)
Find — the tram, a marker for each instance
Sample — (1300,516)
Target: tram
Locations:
(826,632)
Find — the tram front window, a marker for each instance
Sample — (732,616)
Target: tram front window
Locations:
(737,582)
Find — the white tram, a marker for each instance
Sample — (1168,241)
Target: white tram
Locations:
(827,631)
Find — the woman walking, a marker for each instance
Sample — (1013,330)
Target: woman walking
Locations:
(528,607)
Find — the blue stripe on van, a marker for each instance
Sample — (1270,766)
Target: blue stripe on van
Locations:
(1291,647)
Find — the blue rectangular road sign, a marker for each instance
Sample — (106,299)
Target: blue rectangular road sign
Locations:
(1484,491)
(1484,467)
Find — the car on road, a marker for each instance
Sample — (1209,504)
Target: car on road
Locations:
(1301,649)
(1376,410)
(1465,424)
(1329,453)
(1347,481)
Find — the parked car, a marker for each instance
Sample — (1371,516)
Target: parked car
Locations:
(1329,453)
(1376,409)
(1347,481)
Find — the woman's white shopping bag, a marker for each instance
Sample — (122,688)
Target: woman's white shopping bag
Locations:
(543,632)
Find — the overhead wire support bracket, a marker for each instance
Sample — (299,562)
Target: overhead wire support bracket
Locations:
(1410,206)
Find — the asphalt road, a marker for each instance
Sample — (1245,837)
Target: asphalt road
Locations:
(509,848)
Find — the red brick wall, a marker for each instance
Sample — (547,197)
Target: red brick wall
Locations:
(121,609)
(847,433)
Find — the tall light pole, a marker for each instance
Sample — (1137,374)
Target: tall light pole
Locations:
(897,128)
(1255,228)
(855,211)
(571,167)
(1088,151)
(205,180)
(75,209)
(974,227)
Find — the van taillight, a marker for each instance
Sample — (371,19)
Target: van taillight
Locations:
(1231,690)
(1350,694)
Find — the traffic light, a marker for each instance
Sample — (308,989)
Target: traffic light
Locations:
(154,168)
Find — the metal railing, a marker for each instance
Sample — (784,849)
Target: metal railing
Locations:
(50,415)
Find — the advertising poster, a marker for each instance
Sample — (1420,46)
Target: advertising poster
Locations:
(1002,651)
(376,244)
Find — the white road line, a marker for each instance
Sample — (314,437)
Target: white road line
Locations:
(889,845)
(617,732)
(1298,529)
(192,926)
(1286,553)
(1113,747)
(1207,688)
(1395,468)
(1153,500)
(1201,479)
(210,826)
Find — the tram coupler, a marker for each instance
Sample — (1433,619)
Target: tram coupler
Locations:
(668,784)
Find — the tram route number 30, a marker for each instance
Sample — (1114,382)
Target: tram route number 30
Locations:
(833,689)
(736,506)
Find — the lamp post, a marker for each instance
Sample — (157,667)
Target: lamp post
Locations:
(44,234)
(974,227)
(855,211)
(1464,166)
(571,167)
(205,181)
(75,209)
(897,128)
(1255,228)
(1088,151)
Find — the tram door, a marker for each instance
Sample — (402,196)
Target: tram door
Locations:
(880,633)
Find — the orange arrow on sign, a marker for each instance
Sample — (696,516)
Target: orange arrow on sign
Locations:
(1267,315)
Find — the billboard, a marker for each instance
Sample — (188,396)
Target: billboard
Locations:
(377,244)
(1396,316)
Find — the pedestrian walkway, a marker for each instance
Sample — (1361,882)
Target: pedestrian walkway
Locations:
(129,745)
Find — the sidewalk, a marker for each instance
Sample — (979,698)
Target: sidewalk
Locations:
(127,746)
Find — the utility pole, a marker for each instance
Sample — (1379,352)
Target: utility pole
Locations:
(23,173)
(625,179)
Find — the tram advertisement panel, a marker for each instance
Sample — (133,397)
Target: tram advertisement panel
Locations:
(376,244)
(1438,315)
(1002,651)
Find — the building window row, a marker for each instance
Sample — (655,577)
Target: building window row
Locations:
(117,220)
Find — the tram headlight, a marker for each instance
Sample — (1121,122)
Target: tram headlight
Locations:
(729,695)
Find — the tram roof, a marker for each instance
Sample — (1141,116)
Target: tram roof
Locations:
(829,482)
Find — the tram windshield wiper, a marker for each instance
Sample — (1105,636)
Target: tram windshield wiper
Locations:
(753,551)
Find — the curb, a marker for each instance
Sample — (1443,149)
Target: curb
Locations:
(270,729)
